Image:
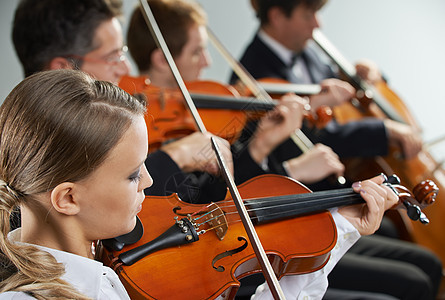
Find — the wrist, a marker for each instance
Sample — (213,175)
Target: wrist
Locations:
(292,169)
(177,153)
(259,149)
(316,101)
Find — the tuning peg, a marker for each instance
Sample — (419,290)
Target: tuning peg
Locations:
(393,179)
(415,213)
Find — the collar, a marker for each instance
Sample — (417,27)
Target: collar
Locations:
(88,276)
(286,55)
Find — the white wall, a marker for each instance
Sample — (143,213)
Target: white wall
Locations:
(404,37)
(10,70)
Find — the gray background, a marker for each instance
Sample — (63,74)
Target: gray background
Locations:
(404,37)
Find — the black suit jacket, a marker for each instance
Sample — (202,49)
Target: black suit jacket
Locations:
(364,138)
(197,187)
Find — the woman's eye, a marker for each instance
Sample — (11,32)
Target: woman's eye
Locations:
(135,177)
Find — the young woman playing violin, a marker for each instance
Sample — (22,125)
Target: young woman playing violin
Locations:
(73,152)
(187,38)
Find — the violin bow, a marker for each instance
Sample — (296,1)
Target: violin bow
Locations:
(256,244)
(271,279)
(298,137)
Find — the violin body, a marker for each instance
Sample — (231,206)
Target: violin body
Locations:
(196,270)
(169,118)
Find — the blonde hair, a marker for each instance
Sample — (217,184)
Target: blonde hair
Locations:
(55,126)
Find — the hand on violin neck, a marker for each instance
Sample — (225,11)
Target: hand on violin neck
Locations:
(276,126)
(334,92)
(405,137)
(314,165)
(194,153)
(366,218)
(368,70)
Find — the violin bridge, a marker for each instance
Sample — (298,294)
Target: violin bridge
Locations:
(217,221)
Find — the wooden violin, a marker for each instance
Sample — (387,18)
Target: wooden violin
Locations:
(206,251)
(223,111)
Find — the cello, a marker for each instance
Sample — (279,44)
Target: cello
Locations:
(380,101)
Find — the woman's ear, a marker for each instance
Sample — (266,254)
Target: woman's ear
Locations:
(63,199)
(60,63)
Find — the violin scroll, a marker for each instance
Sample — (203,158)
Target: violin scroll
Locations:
(423,194)
(322,116)
(426,192)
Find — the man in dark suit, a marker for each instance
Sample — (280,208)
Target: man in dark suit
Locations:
(282,49)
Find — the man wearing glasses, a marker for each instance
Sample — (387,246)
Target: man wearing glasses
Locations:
(87,36)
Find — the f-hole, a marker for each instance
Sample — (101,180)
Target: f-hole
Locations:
(229,253)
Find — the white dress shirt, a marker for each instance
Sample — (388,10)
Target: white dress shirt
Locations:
(88,276)
(298,65)
(313,285)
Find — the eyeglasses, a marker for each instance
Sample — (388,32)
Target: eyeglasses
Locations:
(112,59)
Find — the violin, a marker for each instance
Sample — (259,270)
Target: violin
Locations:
(201,251)
(382,102)
(223,111)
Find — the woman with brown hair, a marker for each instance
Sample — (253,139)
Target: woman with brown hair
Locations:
(72,158)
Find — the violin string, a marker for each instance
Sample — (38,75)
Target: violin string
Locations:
(305,197)
(208,220)
(254,218)
(296,210)
(308,199)
(339,201)
(212,228)
(202,210)
(293,204)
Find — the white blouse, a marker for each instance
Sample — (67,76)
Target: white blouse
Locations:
(88,276)
(313,285)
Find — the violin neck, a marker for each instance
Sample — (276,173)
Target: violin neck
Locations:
(288,206)
(232,103)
